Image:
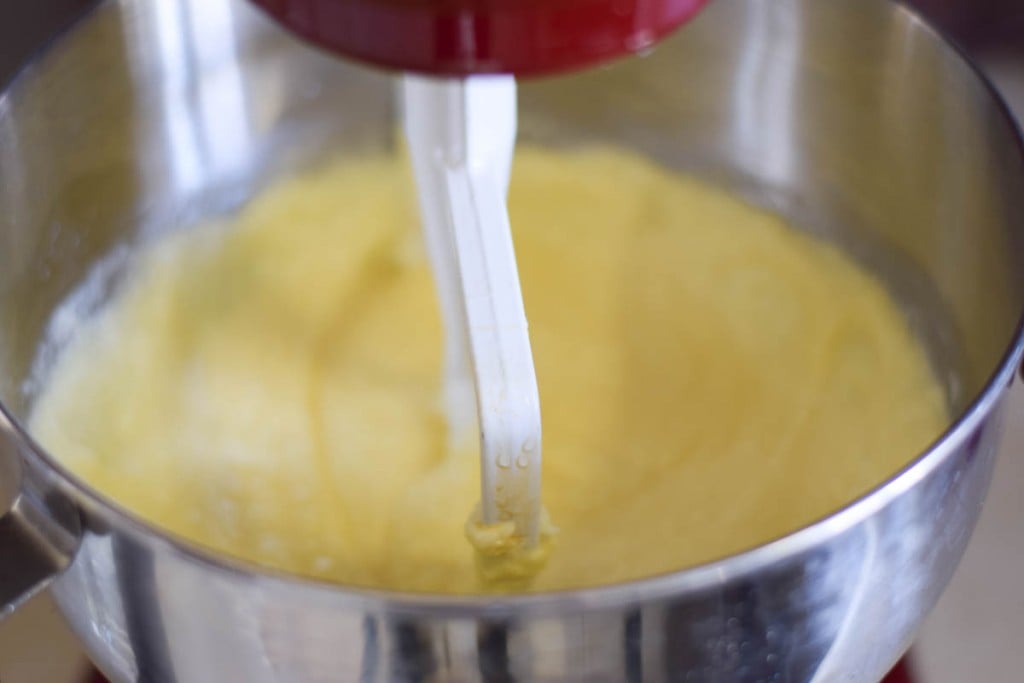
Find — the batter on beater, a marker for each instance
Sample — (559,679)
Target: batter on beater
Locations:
(710,379)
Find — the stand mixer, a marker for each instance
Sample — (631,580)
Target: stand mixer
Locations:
(466,37)
(461,127)
(850,115)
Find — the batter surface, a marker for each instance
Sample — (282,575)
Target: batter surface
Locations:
(709,378)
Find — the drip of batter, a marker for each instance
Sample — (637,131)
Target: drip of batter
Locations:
(709,378)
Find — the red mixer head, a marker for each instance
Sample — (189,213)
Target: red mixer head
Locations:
(462,37)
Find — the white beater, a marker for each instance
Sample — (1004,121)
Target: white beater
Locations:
(461,135)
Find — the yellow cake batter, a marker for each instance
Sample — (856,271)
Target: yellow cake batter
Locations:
(709,378)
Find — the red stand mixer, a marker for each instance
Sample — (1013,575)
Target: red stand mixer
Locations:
(462,37)
(458,38)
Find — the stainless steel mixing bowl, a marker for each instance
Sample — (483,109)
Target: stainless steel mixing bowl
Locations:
(850,116)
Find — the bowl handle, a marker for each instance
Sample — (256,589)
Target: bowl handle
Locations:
(39,530)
